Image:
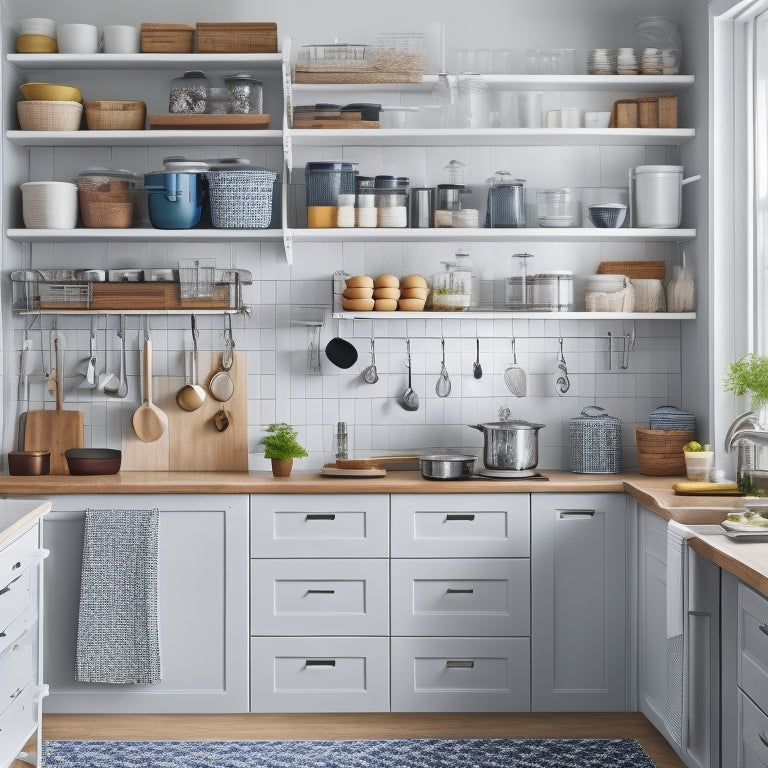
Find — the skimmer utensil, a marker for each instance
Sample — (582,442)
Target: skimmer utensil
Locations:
(514,376)
(443,385)
(370,374)
(409,400)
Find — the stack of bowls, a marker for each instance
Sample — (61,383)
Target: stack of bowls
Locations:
(49,204)
(601,61)
(50,107)
(358,294)
(413,293)
(386,292)
(37,36)
(651,62)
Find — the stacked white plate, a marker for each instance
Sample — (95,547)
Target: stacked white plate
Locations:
(49,204)
(601,61)
(627,62)
(651,62)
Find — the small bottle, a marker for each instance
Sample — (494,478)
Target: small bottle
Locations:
(342,445)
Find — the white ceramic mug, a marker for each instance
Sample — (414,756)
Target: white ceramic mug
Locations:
(121,38)
(597,119)
(77,38)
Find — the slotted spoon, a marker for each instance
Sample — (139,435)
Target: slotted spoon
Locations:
(515,377)
(443,385)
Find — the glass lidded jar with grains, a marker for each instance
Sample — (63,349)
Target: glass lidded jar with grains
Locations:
(189,93)
(246,94)
(451,288)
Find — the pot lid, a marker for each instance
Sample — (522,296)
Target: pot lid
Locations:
(658,169)
(449,457)
(510,424)
(595,413)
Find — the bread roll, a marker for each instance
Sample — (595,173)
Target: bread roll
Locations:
(357,293)
(410,305)
(413,281)
(385,305)
(386,281)
(386,293)
(360,281)
(414,293)
(357,305)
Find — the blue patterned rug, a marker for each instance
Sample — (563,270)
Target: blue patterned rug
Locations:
(389,753)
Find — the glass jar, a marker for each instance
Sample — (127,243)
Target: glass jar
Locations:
(454,173)
(451,288)
(473,102)
(189,94)
(553,208)
(245,94)
(464,263)
(516,297)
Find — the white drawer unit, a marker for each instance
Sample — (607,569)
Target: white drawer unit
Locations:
(461,597)
(319,597)
(20,719)
(299,525)
(319,674)
(753,645)
(461,525)
(18,667)
(449,674)
(16,598)
(18,556)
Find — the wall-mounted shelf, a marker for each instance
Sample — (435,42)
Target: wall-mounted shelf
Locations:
(141,138)
(144,235)
(509,315)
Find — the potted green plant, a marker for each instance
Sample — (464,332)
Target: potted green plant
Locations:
(281,446)
(749,376)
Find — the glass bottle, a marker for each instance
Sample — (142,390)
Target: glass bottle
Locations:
(442,94)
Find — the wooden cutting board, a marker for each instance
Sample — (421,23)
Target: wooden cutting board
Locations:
(375,462)
(192,443)
(54,430)
(205,122)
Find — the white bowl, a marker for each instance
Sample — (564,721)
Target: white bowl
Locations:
(37,26)
(77,38)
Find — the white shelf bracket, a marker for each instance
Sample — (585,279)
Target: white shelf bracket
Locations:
(288,245)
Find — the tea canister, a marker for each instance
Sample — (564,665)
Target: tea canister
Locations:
(595,442)
(189,94)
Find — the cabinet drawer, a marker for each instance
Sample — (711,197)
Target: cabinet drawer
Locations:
(461,597)
(288,525)
(18,666)
(319,597)
(753,734)
(19,720)
(466,674)
(319,674)
(753,645)
(19,555)
(459,525)
(16,597)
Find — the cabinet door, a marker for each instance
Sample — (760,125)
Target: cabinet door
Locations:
(202,606)
(578,591)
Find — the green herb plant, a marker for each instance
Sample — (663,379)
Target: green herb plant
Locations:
(280,442)
(749,375)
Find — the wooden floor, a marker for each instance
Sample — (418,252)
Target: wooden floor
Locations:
(365,726)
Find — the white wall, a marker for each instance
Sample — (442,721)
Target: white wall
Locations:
(278,388)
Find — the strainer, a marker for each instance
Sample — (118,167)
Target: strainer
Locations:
(515,377)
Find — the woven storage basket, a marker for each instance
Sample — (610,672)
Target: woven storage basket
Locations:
(112,213)
(669,417)
(49,115)
(256,37)
(595,442)
(49,204)
(167,38)
(241,199)
(649,296)
(634,270)
(660,451)
(619,301)
(115,115)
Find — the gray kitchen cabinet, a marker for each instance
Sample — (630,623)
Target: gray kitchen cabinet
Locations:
(578,597)
(202,606)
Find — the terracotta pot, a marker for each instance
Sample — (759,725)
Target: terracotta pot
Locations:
(281,467)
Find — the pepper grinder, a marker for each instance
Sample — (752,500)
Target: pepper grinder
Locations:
(341,440)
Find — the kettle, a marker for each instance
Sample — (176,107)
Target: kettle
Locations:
(506,201)
(655,196)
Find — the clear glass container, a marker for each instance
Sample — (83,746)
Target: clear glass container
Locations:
(451,288)
(473,102)
(454,172)
(443,97)
(189,93)
(517,285)
(245,94)
(464,263)
(553,208)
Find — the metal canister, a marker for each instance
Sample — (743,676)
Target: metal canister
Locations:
(421,205)
(595,442)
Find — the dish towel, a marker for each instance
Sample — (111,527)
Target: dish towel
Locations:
(675,714)
(117,633)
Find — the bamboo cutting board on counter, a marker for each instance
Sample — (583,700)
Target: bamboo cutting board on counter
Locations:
(192,443)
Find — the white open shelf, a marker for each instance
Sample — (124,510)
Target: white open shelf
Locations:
(28,62)
(500,314)
(143,235)
(140,138)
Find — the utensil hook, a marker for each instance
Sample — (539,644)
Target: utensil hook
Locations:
(514,353)
(561,358)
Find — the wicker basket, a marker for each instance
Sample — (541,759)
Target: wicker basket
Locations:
(256,37)
(660,451)
(619,301)
(110,213)
(241,199)
(645,112)
(115,115)
(634,270)
(167,38)
(595,442)
(49,115)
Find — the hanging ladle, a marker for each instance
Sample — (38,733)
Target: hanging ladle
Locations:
(562,382)
(370,374)
(409,400)
(221,385)
(191,396)
(443,386)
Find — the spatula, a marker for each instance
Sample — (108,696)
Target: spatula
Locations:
(514,376)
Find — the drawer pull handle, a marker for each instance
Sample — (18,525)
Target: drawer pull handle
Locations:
(576,513)
(460,663)
(320,516)
(763,738)
(764,627)
(453,591)
(320,662)
(470,517)
(321,591)
(6,589)
(16,565)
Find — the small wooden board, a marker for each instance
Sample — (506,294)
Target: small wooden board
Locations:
(375,462)
(331,470)
(178,122)
(333,123)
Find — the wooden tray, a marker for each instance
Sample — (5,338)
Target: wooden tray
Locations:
(331,470)
(208,122)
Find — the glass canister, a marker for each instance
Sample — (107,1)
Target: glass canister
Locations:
(464,263)
(326,183)
(189,93)
(473,102)
(506,201)
(245,93)
(553,208)
(451,288)
(516,297)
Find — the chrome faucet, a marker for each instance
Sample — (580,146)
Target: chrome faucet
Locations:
(745,434)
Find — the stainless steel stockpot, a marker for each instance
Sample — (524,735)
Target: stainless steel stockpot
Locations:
(510,444)
(447,466)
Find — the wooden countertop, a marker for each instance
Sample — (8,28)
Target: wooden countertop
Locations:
(18,514)
(747,561)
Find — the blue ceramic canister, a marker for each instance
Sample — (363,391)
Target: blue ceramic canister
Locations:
(174,200)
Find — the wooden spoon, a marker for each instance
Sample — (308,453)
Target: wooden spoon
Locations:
(149,421)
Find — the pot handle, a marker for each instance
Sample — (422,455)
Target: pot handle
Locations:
(697,177)
(478,427)
(172,187)
(592,410)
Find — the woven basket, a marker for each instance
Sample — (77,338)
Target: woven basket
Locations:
(49,115)
(660,451)
(115,115)
(634,270)
(649,296)
(619,301)
(167,38)
(110,214)
(241,199)
(256,37)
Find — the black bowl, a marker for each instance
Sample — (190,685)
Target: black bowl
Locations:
(93,461)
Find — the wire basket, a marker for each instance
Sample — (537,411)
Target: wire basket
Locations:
(197,278)
(595,442)
(241,198)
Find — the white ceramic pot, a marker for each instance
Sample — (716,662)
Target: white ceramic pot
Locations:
(657,194)
(77,38)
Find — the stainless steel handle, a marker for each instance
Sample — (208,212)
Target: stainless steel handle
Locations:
(452,591)
(764,627)
(451,517)
(320,662)
(574,514)
(460,663)
(320,516)
(762,736)
(321,591)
